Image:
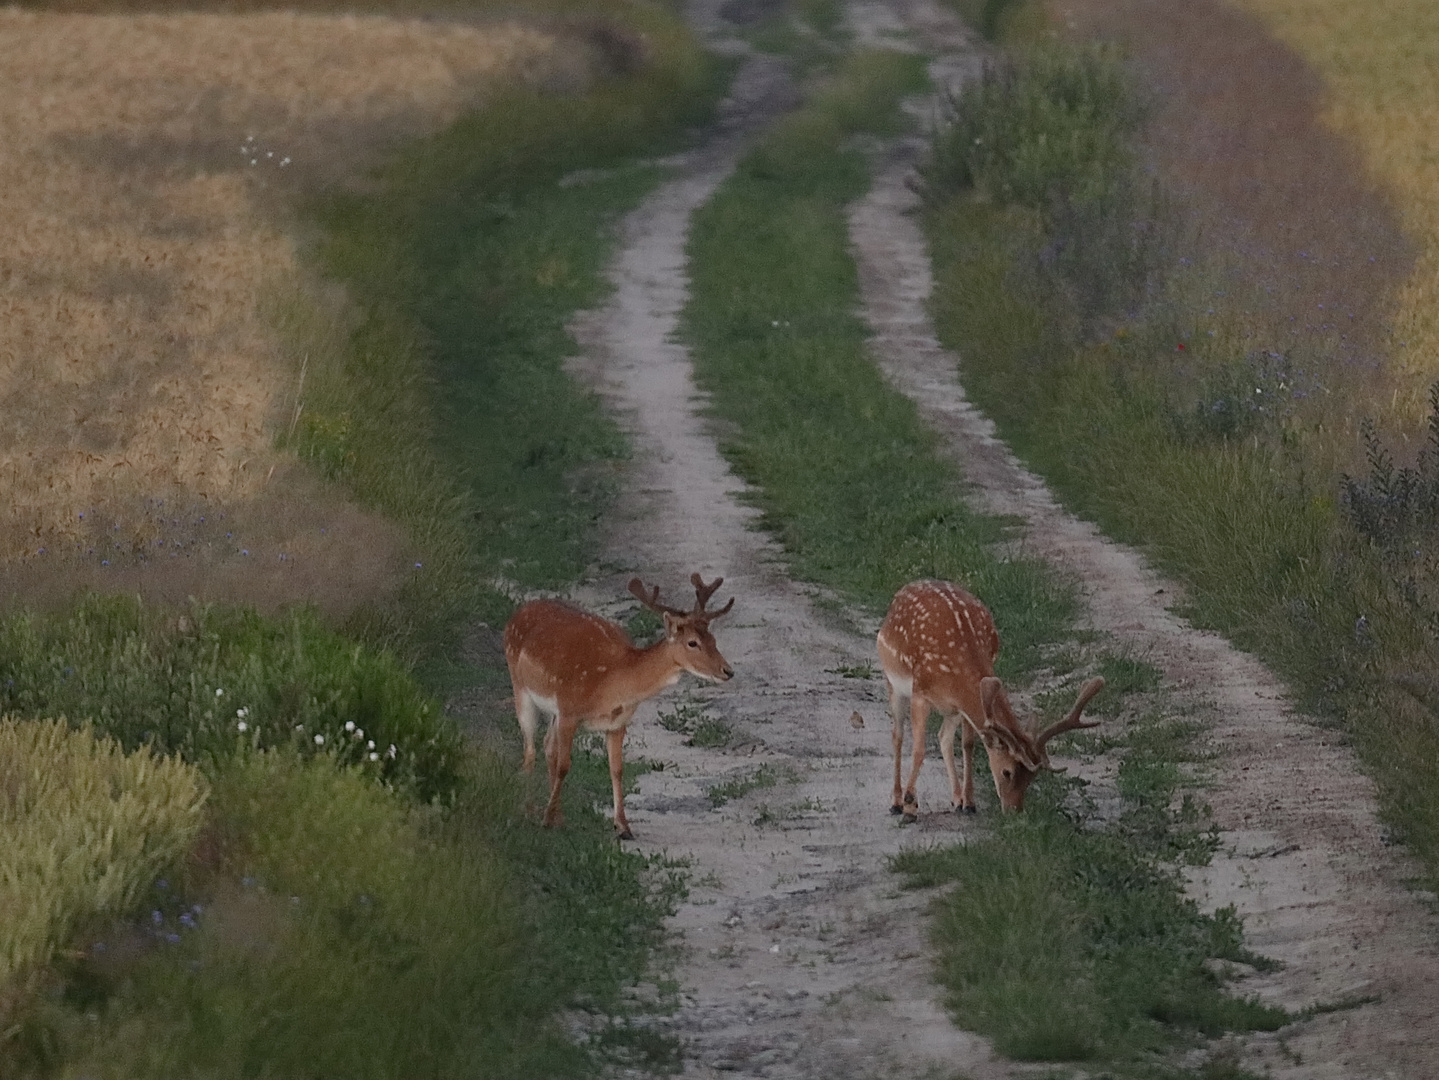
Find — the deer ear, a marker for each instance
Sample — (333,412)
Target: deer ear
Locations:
(672,624)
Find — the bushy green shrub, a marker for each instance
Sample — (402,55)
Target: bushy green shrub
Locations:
(1056,123)
(206,682)
(84,830)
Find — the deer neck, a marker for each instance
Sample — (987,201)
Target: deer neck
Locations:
(649,671)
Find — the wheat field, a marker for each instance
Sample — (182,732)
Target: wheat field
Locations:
(1380,63)
(145,161)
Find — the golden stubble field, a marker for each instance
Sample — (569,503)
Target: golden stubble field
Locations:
(140,159)
(1380,65)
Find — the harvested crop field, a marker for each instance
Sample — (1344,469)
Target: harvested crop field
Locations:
(1380,64)
(1311,250)
(144,381)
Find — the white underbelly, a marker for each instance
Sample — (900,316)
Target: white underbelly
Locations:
(903,685)
(547,705)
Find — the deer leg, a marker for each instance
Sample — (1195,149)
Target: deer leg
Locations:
(558,743)
(895,714)
(966,797)
(615,743)
(529,716)
(946,749)
(918,715)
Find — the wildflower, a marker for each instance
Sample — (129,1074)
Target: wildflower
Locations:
(173,938)
(370,745)
(162,884)
(349,725)
(359,733)
(188,921)
(392,751)
(319,740)
(242,726)
(156,917)
(374,756)
(219,692)
(243,712)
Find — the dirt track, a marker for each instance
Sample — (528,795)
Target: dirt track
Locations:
(800,956)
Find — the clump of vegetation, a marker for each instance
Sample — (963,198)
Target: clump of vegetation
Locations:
(208,681)
(699,728)
(84,830)
(1064,942)
(765,776)
(1056,126)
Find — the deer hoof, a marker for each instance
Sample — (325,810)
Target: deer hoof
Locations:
(896,809)
(908,818)
(625,834)
(968,810)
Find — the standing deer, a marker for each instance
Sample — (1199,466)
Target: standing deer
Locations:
(582,669)
(937,647)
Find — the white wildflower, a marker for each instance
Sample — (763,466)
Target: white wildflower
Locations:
(374,756)
(319,740)
(243,726)
(349,725)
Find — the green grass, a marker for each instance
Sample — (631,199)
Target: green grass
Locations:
(1134,419)
(1061,941)
(346,932)
(448,407)
(844,473)
(559,918)
(185,683)
(765,776)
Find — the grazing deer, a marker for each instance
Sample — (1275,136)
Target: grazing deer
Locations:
(937,647)
(582,669)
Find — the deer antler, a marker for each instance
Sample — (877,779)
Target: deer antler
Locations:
(651,599)
(1072,721)
(702,594)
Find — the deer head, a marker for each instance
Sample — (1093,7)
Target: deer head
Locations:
(687,633)
(1017,754)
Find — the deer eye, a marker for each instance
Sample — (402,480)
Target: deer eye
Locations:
(694,644)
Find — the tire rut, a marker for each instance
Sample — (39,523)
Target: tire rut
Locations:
(1304,858)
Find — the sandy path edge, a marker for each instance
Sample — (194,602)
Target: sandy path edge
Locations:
(1303,860)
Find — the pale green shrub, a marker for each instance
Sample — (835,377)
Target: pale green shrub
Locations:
(84,829)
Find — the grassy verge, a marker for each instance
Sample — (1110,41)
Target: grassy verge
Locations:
(325,915)
(395,909)
(852,485)
(1174,439)
(448,407)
